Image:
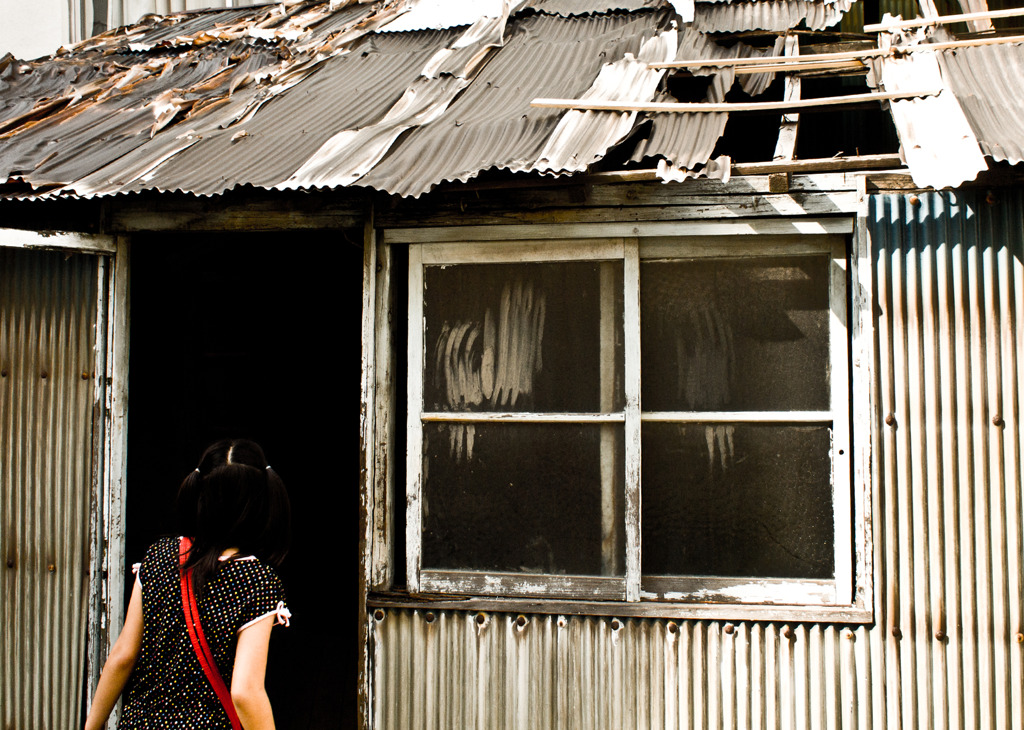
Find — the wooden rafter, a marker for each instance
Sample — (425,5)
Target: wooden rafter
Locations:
(942,20)
(651,106)
(781,64)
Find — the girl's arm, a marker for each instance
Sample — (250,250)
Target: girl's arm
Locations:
(247,689)
(120,663)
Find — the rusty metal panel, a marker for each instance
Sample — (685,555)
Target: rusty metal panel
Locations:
(47,340)
(950,287)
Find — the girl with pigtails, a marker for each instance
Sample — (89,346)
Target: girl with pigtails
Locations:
(193,650)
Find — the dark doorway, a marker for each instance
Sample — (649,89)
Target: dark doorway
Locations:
(257,336)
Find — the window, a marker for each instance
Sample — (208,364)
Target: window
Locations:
(644,419)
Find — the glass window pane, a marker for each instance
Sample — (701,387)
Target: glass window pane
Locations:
(523,337)
(737,500)
(735,334)
(531,498)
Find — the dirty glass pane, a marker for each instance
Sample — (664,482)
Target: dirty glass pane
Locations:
(523,498)
(735,334)
(737,500)
(541,337)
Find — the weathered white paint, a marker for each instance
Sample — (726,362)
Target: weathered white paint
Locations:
(631,315)
(33,29)
(57,241)
(569,231)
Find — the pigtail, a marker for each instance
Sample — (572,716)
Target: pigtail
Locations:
(233,499)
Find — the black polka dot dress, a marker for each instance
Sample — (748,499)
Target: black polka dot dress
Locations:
(168,688)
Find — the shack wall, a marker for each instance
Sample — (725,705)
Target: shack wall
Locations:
(946,645)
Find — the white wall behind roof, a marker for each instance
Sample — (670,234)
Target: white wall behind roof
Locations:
(33,28)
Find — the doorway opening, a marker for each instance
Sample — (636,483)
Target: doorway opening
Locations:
(254,337)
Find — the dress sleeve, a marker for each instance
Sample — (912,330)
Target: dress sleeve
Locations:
(266,597)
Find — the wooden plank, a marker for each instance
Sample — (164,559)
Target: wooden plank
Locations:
(384,420)
(942,20)
(631,378)
(519,251)
(703,108)
(367,491)
(732,247)
(116,466)
(737,416)
(485,417)
(781,61)
(414,428)
(520,584)
(830,164)
(498,213)
(644,609)
(255,212)
(754,227)
(57,241)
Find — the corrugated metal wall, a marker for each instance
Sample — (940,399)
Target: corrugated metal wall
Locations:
(47,339)
(947,645)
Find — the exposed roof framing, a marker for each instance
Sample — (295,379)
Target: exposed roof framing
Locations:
(752,106)
(942,20)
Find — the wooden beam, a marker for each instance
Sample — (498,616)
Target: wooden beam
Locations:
(629,106)
(853,63)
(830,164)
(942,20)
(782,63)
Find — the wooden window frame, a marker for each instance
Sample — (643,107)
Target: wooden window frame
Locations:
(846,598)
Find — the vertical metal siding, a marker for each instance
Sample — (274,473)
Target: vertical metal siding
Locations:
(47,339)
(946,649)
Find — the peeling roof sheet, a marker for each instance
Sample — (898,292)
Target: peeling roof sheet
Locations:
(732,16)
(986,81)
(978,111)
(313,95)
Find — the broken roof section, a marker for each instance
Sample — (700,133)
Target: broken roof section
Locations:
(313,95)
(329,94)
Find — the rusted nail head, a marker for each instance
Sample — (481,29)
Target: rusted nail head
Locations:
(378,615)
(914,200)
(616,625)
(729,628)
(44,375)
(1020,638)
(848,634)
(429,617)
(897,634)
(520,621)
(481,618)
(672,627)
(997,420)
(85,376)
(52,568)
(940,635)
(3,373)
(787,632)
(890,419)
(10,563)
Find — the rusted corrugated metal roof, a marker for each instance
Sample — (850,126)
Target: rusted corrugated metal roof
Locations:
(732,16)
(314,95)
(309,95)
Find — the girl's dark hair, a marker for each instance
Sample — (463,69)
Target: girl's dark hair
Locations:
(233,499)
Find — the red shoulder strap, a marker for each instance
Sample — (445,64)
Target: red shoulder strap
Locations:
(195,633)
